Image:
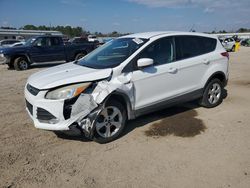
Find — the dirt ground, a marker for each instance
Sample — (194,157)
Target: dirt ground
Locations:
(184,146)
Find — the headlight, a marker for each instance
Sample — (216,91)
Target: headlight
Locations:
(1,55)
(67,92)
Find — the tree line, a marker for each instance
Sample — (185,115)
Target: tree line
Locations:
(79,31)
(68,30)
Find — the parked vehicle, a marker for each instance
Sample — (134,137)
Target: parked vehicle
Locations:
(8,42)
(43,49)
(126,78)
(17,44)
(92,38)
(78,40)
(245,42)
(229,44)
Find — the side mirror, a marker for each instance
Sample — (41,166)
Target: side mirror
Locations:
(144,62)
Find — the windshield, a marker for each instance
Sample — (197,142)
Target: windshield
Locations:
(112,53)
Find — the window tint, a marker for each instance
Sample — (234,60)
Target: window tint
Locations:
(190,46)
(207,44)
(41,42)
(161,51)
(55,41)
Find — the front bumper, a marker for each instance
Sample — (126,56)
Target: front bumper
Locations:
(49,114)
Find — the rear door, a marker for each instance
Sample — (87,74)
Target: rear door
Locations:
(56,49)
(191,63)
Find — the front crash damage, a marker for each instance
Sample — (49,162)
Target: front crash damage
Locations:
(88,106)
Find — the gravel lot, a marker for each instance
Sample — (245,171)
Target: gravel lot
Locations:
(184,146)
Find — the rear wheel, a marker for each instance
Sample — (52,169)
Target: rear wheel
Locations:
(79,56)
(10,66)
(212,95)
(110,122)
(21,63)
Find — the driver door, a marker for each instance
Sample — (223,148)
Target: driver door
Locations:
(40,50)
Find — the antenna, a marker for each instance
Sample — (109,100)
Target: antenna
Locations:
(192,28)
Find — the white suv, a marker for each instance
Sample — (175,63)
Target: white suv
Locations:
(125,78)
(228,44)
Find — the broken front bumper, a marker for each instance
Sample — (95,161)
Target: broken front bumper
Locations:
(54,115)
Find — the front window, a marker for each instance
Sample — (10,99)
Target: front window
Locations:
(112,54)
(30,41)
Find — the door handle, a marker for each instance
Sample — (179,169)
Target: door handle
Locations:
(206,62)
(172,70)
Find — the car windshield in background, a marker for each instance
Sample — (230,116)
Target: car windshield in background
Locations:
(30,41)
(112,53)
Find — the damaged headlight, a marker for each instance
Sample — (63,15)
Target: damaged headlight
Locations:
(67,92)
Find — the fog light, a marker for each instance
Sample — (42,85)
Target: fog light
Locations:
(51,121)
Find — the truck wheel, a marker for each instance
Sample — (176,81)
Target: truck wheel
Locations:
(110,123)
(21,63)
(79,56)
(212,95)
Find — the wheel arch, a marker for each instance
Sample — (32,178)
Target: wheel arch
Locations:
(219,75)
(26,56)
(80,52)
(123,98)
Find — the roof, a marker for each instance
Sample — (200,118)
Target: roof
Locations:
(148,35)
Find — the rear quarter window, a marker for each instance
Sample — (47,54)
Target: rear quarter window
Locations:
(191,46)
(207,44)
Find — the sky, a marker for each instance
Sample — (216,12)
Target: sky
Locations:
(128,15)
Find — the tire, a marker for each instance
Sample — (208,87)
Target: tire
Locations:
(79,56)
(108,128)
(10,66)
(21,63)
(213,94)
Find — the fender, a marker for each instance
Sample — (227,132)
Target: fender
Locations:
(219,74)
(122,97)
(216,69)
(22,54)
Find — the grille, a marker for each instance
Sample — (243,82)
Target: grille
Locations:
(29,107)
(34,91)
(44,114)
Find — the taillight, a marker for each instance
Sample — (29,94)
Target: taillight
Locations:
(225,54)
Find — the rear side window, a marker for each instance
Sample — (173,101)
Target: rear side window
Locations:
(55,41)
(191,46)
(208,44)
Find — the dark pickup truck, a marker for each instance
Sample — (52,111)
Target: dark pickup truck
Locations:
(43,49)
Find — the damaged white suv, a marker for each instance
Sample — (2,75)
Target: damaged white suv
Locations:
(125,78)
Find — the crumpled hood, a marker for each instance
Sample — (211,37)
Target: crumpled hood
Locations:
(66,74)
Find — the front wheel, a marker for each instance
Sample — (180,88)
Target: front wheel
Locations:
(212,95)
(21,63)
(110,122)
(79,56)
